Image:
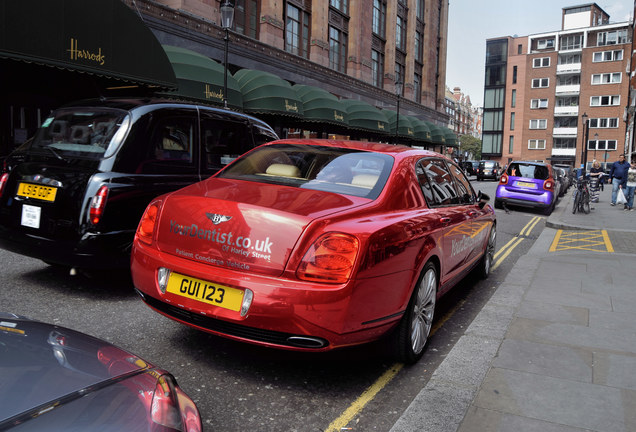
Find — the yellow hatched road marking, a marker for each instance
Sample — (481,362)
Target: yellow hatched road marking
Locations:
(590,240)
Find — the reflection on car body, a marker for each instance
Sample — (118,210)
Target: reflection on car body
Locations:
(304,260)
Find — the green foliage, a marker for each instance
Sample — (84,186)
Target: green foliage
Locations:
(471,145)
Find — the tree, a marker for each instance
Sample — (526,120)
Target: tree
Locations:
(471,146)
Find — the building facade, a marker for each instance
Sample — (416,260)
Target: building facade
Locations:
(376,51)
(559,96)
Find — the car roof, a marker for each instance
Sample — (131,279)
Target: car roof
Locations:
(531,163)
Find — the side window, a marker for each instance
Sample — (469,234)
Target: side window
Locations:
(223,141)
(441,183)
(465,191)
(171,145)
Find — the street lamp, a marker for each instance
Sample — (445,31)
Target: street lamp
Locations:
(586,130)
(398,93)
(227,19)
(595,144)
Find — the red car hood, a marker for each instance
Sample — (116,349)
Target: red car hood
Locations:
(243,225)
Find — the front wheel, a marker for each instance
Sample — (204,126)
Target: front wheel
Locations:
(576,202)
(586,202)
(414,328)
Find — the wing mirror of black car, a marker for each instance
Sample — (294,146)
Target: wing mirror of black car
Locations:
(482,199)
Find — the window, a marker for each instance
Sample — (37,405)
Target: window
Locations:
(337,50)
(513,99)
(519,49)
(604,123)
(539,124)
(604,56)
(379,17)
(417,87)
(541,62)
(245,18)
(494,98)
(419,10)
(491,143)
(540,82)
(418,46)
(568,101)
(493,120)
(512,121)
(514,74)
(545,43)
(605,100)
(607,78)
(601,145)
(536,144)
(377,66)
(571,42)
(569,59)
(569,80)
(538,103)
(611,37)
(400,33)
(436,183)
(511,144)
(564,143)
(297,31)
(341,5)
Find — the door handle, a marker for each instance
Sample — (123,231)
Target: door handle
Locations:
(445,220)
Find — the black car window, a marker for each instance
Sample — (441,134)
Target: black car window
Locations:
(440,181)
(464,189)
(223,141)
(172,147)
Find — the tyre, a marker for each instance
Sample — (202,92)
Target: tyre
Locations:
(576,201)
(485,264)
(498,204)
(412,333)
(586,203)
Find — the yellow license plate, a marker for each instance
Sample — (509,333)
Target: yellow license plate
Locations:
(527,185)
(205,291)
(30,190)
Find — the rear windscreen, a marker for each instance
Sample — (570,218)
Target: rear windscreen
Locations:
(78,132)
(538,172)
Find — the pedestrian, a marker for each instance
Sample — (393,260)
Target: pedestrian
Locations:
(631,186)
(618,176)
(595,179)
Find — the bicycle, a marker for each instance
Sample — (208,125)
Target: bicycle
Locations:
(581,196)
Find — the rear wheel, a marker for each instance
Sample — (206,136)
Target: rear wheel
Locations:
(485,265)
(576,202)
(586,202)
(415,326)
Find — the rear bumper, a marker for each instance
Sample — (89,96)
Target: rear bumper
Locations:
(91,251)
(510,196)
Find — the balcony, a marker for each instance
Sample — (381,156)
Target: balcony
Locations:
(565,90)
(572,68)
(563,152)
(564,132)
(566,111)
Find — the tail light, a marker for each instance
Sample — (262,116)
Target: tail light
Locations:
(330,259)
(3,182)
(146,227)
(172,408)
(548,184)
(98,204)
(503,179)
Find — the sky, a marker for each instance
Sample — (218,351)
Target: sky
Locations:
(471,22)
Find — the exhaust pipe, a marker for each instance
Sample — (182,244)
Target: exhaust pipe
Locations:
(306,342)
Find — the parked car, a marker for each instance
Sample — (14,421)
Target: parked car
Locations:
(562,180)
(569,171)
(488,169)
(291,247)
(57,379)
(74,195)
(470,167)
(527,184)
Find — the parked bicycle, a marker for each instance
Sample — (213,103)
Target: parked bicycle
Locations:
(581,198)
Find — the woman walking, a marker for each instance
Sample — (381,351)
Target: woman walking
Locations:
(631,186)
(595,178)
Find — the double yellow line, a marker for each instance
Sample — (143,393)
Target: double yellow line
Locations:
(503,253)
(340,424)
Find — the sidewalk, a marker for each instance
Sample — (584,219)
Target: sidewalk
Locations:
(554,349)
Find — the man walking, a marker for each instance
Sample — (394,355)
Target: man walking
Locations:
(618,176)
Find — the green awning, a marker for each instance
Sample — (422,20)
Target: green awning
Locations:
(100,37)
(422,132)
(437,134)
(266,93)
(405,128)
(200,78)
(321,106)
(363,116)
(451,138)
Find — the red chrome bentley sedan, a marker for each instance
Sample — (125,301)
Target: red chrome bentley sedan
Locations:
(315,244)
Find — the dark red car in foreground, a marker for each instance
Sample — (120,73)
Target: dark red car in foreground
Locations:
(315,244)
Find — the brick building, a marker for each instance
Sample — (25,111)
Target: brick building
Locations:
(546,94)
